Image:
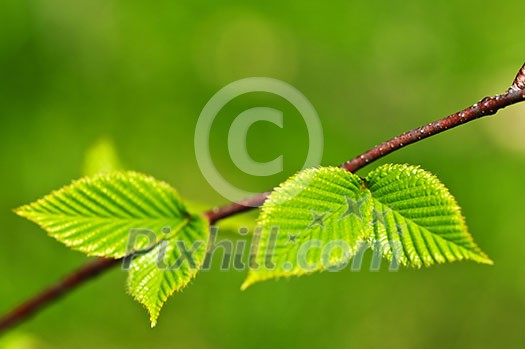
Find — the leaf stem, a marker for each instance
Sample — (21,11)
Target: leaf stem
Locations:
(487,106)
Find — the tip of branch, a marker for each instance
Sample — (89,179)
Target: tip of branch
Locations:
(519,81)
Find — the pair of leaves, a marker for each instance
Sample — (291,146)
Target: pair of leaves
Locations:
(314,221)
(127,214)
(318,219)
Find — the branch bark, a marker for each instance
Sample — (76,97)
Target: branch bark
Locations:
(487,106)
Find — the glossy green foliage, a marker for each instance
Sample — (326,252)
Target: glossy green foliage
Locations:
(169,266)
(416,220)
(127,214)
(311,210)
(101,157)
(95,215)
(318,219)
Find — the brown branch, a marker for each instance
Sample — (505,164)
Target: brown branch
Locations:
(234,208)
(487,106)
(92,269)
(69,283)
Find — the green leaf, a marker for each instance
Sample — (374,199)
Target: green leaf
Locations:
(96,215)
(417,221)
(315,221)
(403,212)
(101,157)
(127,214)
(170,266)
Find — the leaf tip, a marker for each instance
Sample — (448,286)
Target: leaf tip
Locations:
(246,284)
(481,257)
(486,260)
(250,280)
(22,211)
(153,322)
(154,313)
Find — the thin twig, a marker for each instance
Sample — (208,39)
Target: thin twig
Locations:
(234,208)
(487,106)
(92,269)
(50,295)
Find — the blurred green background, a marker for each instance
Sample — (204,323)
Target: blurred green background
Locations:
(140,73)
